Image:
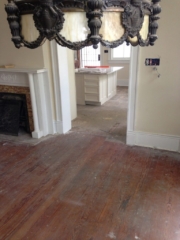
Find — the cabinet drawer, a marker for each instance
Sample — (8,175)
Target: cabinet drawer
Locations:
(91,77)
(92,97)
(91,89)
(91,83)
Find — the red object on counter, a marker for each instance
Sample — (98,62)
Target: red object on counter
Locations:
(96,66)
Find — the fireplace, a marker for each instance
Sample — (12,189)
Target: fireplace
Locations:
(14,113)
(12,91)
(25,102)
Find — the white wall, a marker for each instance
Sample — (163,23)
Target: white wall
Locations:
(9,54)
(158,99)
(123,74)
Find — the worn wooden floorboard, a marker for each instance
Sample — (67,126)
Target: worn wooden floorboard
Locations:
(84,187)
(40,164)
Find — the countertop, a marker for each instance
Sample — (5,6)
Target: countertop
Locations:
(96,70)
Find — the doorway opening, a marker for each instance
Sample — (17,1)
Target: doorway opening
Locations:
(110,118)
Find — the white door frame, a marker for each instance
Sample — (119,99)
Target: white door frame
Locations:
(62,123)
(132,93)
(61,90)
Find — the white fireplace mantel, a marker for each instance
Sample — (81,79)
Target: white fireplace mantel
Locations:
(38,82)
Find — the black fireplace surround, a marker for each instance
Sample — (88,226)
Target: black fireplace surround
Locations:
(13,114)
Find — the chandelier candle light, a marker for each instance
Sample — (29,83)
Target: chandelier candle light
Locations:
(78,23)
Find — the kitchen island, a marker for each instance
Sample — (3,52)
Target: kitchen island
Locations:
(95,86)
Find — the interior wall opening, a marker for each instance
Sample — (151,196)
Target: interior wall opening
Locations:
(107,118)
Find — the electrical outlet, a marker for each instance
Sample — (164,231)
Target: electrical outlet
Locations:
(152,61)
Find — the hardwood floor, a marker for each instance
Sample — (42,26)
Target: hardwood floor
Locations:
(84,187)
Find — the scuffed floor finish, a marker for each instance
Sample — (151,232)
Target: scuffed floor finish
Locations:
(84,187)
(108,120)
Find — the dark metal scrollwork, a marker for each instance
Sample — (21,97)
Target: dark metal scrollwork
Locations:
(71,45)
(14,22)
(156,9)
(133,17)
(48,17)
(94,15)
(116,43)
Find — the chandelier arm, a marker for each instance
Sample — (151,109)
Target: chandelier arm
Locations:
(35,44)
(143,43)
(14,19)
(72,45)
(59,42)
(156,9)
(94,14)
(116,43)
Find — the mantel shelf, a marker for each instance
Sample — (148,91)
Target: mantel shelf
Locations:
(23,70)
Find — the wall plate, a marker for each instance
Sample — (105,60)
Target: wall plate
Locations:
(152,61)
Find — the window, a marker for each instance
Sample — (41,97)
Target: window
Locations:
(121,53)
(90,56)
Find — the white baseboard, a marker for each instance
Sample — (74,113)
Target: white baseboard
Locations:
(123,82)
(37,135)
(61,128)
(58,127)
(164,142)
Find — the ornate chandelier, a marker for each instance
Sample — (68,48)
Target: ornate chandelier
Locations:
(78,23)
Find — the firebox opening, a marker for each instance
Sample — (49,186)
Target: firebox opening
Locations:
(13,114)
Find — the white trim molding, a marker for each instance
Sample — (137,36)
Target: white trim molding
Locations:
(58,126)
(144,139)
(156,141)
(62,123)
(38,82)
(132,89)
